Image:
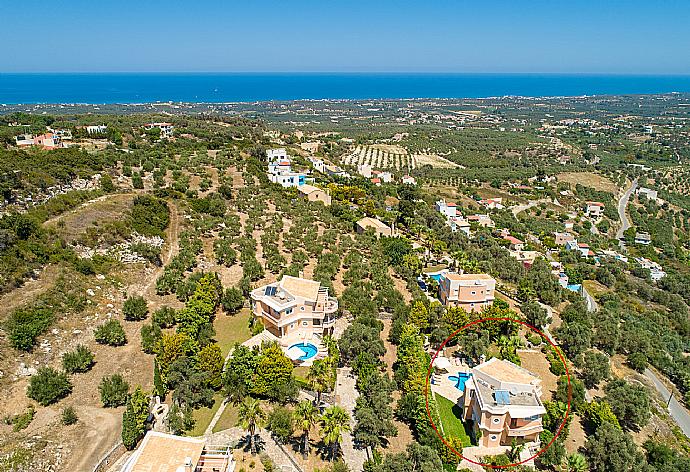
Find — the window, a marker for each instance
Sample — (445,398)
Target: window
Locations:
(317,322)
(494,437)
(301,308)
(474,292)
(288,311)
(496,420)
(305,323)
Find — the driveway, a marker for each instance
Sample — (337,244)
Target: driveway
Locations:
(622,205)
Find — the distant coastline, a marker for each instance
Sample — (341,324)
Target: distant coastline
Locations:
(128,88)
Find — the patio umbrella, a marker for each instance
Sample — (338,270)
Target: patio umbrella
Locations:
(442,363)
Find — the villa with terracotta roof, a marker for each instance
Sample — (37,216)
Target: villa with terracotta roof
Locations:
(166,129)
(161,452)
(514,243)
(294,309)
(448,209)
(469,291)
(594,209)
(503,402)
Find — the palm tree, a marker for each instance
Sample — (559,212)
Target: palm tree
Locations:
(320,378)
(306,417)
(575,462)
(334,422)
(251,416)
(332,348)
(515,451)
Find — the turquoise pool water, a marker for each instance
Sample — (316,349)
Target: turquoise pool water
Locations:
(308,349)
(436,277)
(460,380)
(574,287)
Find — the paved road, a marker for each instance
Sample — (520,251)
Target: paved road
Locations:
(622,204)
(675,409)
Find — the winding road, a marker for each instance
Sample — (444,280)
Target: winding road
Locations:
(622,205)
(675,409)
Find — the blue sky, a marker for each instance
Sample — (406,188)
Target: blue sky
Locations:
(576,36)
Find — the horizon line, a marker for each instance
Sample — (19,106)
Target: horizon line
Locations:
(336,72)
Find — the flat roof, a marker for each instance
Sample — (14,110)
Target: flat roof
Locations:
(454,276)
(372,222)
(307,189)
(160,452)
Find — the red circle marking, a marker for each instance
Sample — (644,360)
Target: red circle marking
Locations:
(567,373)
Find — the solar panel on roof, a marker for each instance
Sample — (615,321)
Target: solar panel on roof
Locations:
(270,291)
(502,397)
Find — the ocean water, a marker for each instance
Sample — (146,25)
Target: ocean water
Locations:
(249,87)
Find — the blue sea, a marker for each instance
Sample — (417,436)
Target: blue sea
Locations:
(102,88)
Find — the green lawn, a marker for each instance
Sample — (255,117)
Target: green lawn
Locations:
(203,416)
(451,418)
(228,419)
(231,329)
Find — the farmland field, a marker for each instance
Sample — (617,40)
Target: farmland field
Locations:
(383,156)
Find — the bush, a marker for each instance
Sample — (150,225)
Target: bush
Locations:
(79,360)
(25,325)
(21,421)
(164,317)
(111,333)
(150,335)
(150,215)
(638,361)
(135,309)
(69,416)
(114,391)
(48,386)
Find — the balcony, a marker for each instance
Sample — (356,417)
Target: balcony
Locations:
(330,305)
(525,430)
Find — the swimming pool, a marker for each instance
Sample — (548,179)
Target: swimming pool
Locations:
(436,277)
(574,287)
(460,380)
(308,349)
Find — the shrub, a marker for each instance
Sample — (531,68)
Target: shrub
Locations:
(114,391)
(48,386)
(164,317)
(150,253)
(79,360)
(111,333)
(150,215)
(21,421)
(150,335)
(69,416)
(25,325)
(135,309)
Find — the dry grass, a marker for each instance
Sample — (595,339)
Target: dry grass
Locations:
(73,224)
(588,179)
(231,329)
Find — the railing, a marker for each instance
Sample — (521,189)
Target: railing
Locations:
(522,430)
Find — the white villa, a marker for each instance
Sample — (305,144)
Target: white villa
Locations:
(280,169)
